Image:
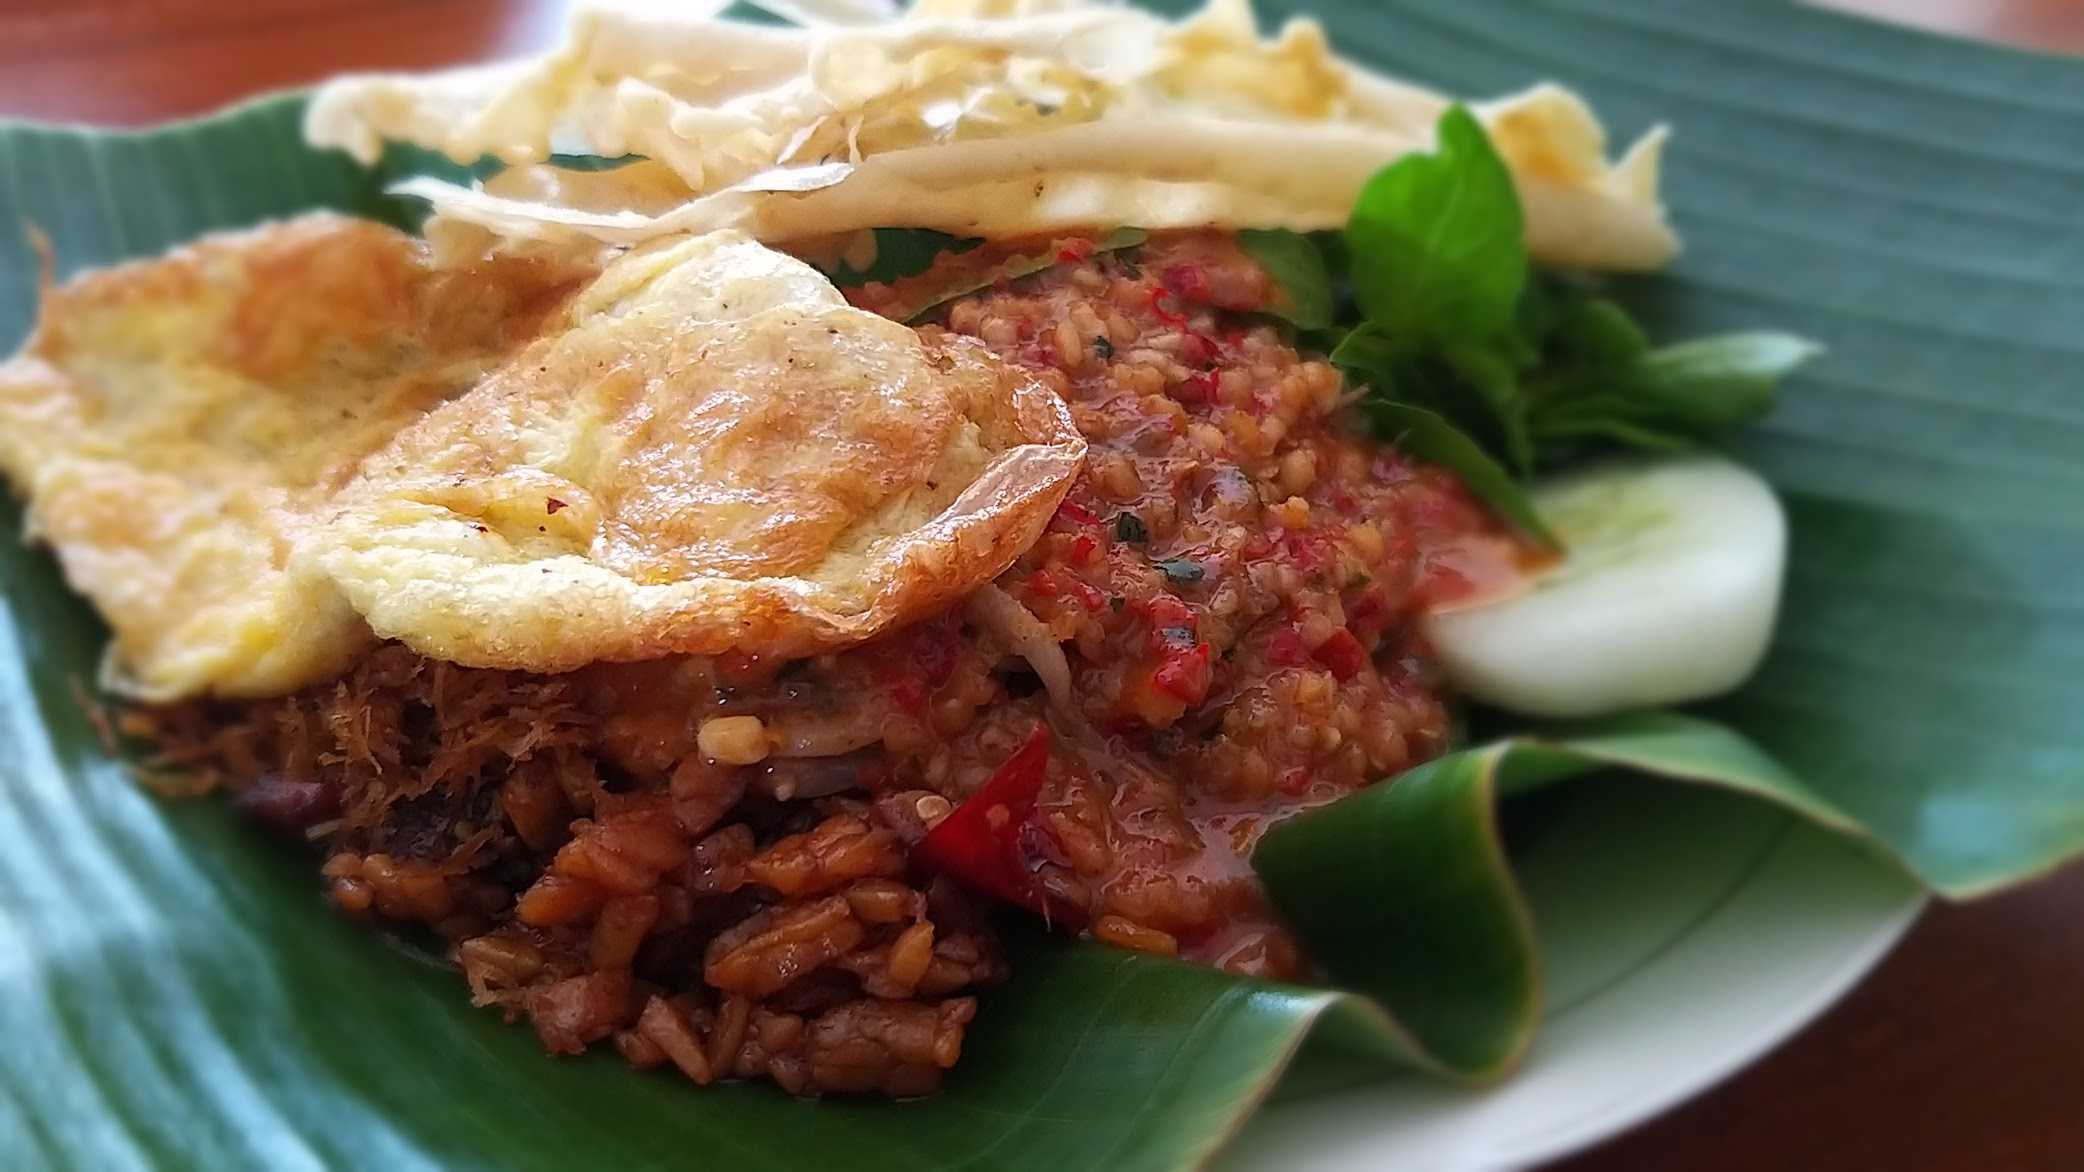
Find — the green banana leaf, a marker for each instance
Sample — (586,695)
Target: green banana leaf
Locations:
(174,992)
(1428,853)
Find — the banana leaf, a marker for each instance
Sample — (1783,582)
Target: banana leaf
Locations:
(175,993)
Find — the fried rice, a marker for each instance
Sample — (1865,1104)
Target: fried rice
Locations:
(744,868)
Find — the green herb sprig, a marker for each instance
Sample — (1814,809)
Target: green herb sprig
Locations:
(1474,360)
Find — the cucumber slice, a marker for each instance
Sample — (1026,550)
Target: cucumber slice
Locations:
(1667,593)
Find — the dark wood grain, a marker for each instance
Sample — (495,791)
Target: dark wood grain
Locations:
(1965,1050)
(128,62)
(2033,24)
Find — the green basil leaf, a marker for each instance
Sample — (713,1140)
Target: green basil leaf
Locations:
(1492,381)
(900,253)
(592,162)
(1302,281)
(1431,437)
(1714,384)
(1437,241)
(1617,430)
(922,302)
(1366,349)
(1181,571)
(1596,333)
(1338,259)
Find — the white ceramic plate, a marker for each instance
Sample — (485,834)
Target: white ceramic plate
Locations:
(1685,932)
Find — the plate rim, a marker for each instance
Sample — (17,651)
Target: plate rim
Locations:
(1883,928)
(1855,970)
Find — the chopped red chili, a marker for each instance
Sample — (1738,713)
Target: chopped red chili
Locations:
(1074,250)
(1342,653)
(924,659)
(1072,511)
(994,842)
(1186,281)
(1197,388)
(1050,584)
(1286,648)
(1309,551)
(1367,615)
(1170,316)
(1167,610)
(1185,674)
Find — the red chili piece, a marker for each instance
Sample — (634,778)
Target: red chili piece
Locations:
(994,841)
(1187,282)
(1286,648)
(1170,317)
(1197,388)
(1185,674)
(1076,513)
(1342,653)
(1075,250)
(921,661)
(1166,611)
(1368,615)
(1308,551)
(1046,583)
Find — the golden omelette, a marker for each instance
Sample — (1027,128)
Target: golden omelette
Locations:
(177,424)
(705,449)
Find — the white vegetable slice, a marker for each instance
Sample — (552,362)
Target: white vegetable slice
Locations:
(1667,594)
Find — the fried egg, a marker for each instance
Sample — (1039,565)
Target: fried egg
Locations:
(177,425)
(708,451)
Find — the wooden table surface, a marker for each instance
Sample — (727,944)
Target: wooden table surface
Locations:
(1962,1051)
